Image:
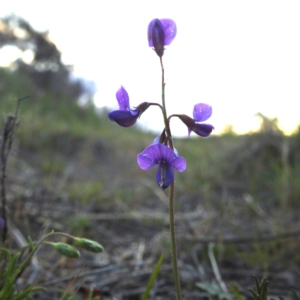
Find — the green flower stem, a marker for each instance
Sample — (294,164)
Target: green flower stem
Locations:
(37,245)
(171,193)
(164,110)
(173,241)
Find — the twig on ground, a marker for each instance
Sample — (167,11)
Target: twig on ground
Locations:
(139,257)
(237,240)
(88,273)
(196,261)
(215,268)
(67,290)
(130,215)
(21,241)
(158,192)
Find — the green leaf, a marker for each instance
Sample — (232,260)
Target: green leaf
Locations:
(213,290)
(6,251)
(295,296)
(264,289)
(257,284)
(235,291)
(254,294)
(28,290)
(152,278)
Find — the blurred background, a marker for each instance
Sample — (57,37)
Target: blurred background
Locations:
(241,58)
(73,170)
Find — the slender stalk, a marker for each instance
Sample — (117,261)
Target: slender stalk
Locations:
(6,145)
(7,139)
(36,246)
(171,192)
(156,104)
(164,110)
(3,190)
(173,241)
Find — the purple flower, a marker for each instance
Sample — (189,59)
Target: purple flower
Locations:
(161,32)
(201,113)
(125,116)
(165,158)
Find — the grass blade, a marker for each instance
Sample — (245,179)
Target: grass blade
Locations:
(152,278)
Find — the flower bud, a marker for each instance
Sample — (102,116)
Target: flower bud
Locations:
(203,130)
(66,249)
(161,32)
(125,116)
(89,245)
(158,37)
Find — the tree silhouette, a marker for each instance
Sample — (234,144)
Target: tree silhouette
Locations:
(46,70)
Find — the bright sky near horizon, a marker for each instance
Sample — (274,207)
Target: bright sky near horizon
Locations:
(241,57)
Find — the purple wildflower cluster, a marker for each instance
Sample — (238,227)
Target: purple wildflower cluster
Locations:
(125,116)
(161,33)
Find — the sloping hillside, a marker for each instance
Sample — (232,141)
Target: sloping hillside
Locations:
(73,170)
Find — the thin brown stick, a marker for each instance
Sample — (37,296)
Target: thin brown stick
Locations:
(248,240)
(6,145)
(7,137)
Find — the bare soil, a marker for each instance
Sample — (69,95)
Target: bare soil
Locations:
(222,241)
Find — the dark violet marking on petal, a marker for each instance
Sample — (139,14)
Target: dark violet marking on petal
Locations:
(124,118)
(203,130)
(164,175)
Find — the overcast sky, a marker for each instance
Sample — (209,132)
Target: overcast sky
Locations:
(241,57)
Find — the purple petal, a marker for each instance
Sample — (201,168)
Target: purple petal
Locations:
(124,118)
(175,151)
(202,112)
(156,34)
(179,164)
(157,153)
(164,175)
(203,130)
(170,30)
(156,140)
(150,30)
(163,153)
(145,162)
(123,99)
(151,154)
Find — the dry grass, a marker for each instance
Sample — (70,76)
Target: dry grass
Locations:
(72,170)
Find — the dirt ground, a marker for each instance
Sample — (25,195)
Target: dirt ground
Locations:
(221,242)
